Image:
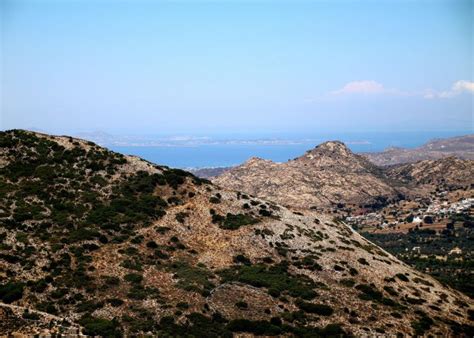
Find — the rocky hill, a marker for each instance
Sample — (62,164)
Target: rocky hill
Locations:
(324,176)
(106,244)
(461,147)
(448,172)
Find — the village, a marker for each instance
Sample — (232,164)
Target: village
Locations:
(435,212)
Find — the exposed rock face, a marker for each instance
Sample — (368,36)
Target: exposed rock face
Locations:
(461,147)
(117,251)
(326,175)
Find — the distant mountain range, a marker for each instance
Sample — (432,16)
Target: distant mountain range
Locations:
(461,147)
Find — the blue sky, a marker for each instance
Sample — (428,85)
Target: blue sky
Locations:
(236,66)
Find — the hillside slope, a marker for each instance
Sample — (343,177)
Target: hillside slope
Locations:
(449,172)
(325,175)
(116,245)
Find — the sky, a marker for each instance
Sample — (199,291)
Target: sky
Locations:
(228,67)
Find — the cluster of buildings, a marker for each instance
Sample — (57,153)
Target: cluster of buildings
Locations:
(372,218)
(437,208)
(450,208)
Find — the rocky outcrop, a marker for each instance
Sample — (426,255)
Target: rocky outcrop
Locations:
(324,176)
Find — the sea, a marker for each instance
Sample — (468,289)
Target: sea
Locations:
(225,152)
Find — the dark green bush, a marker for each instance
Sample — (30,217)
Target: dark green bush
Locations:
(242,305)
(133,278)
(100,327)
(423,324)
(214,200)
(11,292)
(319,309)
(391,291)
(347,282)
(402,277)
(242,259)
(233,222)
(191,278)
(30,315)
(276,278)
(369,292)
(115,301)
(258,327)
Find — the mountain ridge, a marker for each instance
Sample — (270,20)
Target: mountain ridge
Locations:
(325,175)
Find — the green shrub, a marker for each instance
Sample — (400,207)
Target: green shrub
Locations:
(181,216)
(242,259)
(369,292)
(133,278)
(11,292)
(241,305)
(111,280)
(115,302)
(30,315)
(319,309)
(347,282)
(214,200)
(415,301)
(100,327)
(391,291)
(162,230)
(402,277)
(275,278)
(309,263)
(233,222)
(423,324)
(353,272)
(258,327)
(139,292)
(200,326)
(191,278)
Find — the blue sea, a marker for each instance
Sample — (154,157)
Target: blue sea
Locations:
(223,155)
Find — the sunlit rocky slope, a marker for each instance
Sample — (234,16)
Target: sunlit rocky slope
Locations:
(324,176)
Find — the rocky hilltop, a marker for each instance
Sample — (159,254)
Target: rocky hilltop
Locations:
(95,242)
(324,176)
(461,147)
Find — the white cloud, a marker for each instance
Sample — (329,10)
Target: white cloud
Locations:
(361,87)
(459,87)
(370,87)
